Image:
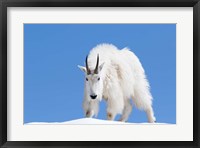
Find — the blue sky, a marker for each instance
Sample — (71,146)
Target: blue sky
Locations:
(53,84)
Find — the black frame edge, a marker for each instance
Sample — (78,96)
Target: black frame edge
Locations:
(196,72)
(100,3)
(61,3)
(1,112)
(3,73)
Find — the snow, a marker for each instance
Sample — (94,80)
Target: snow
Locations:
(87,121)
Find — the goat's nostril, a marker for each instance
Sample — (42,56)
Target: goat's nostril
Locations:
(93,96)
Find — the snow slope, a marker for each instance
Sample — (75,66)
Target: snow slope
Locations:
(87,121)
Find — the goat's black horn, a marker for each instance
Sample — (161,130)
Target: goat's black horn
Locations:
(87,68)
(97,65)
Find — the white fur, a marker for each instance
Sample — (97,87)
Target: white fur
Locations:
(121,77)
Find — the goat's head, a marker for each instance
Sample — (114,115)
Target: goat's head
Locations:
(93,80)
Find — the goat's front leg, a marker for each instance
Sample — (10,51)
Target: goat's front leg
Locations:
(115,105)
(89,113)
(111,115)
(91,108)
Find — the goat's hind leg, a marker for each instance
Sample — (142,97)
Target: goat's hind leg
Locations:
(126,111)
(143,101)
(150,114)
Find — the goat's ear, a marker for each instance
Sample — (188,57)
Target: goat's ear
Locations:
(101,66)
(82,68)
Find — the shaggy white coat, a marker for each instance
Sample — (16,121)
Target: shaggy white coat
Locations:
(122,78)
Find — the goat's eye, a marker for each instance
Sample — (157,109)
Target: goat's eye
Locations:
(98,79)
(86,79)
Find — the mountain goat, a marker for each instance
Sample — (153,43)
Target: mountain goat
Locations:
(116,76)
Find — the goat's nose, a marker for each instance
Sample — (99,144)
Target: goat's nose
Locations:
(93,96)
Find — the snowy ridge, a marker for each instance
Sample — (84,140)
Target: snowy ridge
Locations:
(87,121)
